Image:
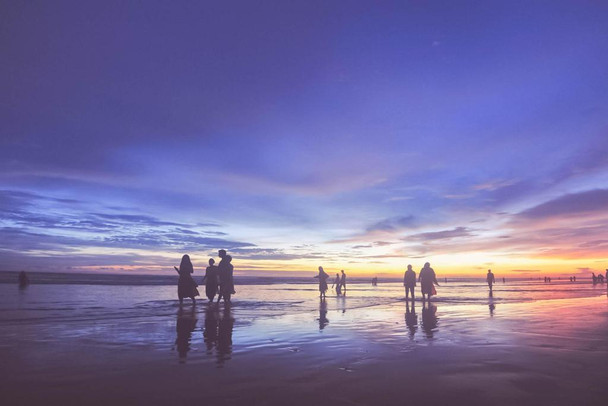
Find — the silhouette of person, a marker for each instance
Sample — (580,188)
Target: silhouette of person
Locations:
(186,323)
(503,280)
(337,285)
(411,318)
(593,278)
(211,280)
(24,280)
(224,337)
(322,276)
(225,273)
(210,331)
(343,281)
(490,279)
(429,319)
(427,278)
(409,281)
(186,286)
(323,321)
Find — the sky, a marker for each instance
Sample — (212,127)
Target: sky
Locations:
(355,135)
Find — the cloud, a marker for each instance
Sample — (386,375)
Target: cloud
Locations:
(441,235)
(393,223)
(525,270)
(570,205)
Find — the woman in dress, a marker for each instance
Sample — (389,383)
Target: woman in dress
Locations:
(186,287)
(322,282)
(427,278)
(211,280)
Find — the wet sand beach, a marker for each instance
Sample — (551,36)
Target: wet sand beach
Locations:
(366,350)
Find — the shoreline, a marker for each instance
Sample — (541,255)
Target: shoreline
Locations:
(544,352)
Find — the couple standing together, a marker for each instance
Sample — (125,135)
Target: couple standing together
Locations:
(427,279)
(218,279)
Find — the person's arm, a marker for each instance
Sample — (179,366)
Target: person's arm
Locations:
(176,269)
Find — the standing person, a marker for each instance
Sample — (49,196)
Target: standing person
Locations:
(225,273)
(409,281)
(186,287)
(210,280)
(322,276)
(490,279)
(343,281)
(427,278)
(23,280)
(337,285)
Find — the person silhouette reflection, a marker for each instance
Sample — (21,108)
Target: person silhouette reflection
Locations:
(411,318)
(186,323)
(491,304)
(323,321)
(429,319)
(224,337)
(210,331)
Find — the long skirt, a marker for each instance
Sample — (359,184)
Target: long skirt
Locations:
(211,290)
(186,287)
(426,287)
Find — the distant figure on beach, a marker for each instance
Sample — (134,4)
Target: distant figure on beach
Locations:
(225,273)
(593,278)
(490,279)
(186,287)
(24,280)
(503,280)
(409,281)
(574,277)
(337,284)
(211,280)
(427,279)
(322,276)
(343,281)
(374,281)
(600,278)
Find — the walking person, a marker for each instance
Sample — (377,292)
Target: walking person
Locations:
(186,287)
(343,281)
(337,284)
(225,273)
(211,280)
(490,279)
(409,281)
(427,279)
(322,276)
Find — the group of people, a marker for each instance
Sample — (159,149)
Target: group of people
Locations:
(427,279)
(339,283)
(218,279)
(599,278)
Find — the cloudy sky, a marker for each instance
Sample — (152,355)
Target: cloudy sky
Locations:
(355,135)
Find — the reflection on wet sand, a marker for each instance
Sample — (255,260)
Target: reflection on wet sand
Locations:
(217,332)
(411,318)
(323,321)
(186,323)
(429,319)
(491,304)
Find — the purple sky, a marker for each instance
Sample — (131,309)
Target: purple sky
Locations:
(358,135)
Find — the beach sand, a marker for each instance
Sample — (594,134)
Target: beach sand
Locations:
(548,352)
